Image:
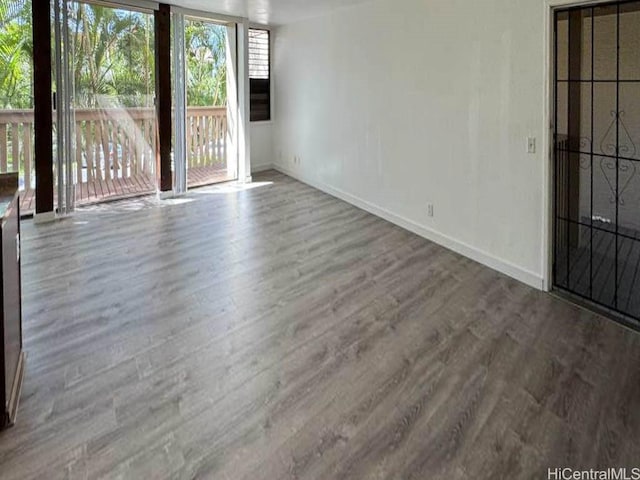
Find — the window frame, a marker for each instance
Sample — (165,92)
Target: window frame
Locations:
(269,31)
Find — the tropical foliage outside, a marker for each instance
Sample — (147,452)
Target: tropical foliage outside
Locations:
(112,57)
(16,52)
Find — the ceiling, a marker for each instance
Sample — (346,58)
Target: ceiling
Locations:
(272,12)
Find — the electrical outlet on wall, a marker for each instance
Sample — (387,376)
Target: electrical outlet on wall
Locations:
(430,210)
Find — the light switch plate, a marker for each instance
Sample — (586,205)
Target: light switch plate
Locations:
(531,144)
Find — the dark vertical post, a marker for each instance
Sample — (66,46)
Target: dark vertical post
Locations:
(617,267)
(593,84)
(556,152)
(575,113)
(163,94)
(43,106)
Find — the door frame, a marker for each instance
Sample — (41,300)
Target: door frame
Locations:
(64,110)
(238,104)
(45,41)
(550,6)
(234,117)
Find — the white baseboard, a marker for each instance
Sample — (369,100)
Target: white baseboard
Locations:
(168,195)
(262,168)
(532,279)
(46,217)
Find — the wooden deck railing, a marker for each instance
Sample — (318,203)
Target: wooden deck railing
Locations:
(16,143)
(206,136)
(113,143)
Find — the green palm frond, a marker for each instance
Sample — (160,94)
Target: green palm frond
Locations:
(111,54)
(10,10)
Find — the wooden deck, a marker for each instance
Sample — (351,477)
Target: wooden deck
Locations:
(88,193)
(97,191)
(201,176)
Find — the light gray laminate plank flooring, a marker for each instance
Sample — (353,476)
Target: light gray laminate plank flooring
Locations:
(278,333)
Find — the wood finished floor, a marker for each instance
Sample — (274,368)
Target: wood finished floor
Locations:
(278,333)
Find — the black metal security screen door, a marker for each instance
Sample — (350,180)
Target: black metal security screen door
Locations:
(597,155)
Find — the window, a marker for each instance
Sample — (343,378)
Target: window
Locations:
(259,75)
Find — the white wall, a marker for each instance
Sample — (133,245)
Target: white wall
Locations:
(261,146)
(396,104)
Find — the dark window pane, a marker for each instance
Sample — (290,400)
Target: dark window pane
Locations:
(605,40)
(630,41)
(629,197)
(629,119)
(580,260)
(604,193)
(629,277)
(604,257)
(561,259)
(562,36)
(604,118)
(259,75)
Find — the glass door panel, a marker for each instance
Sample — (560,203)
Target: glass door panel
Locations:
(208,156)
(16,97)
(597,156)
(110,115)
(64,116)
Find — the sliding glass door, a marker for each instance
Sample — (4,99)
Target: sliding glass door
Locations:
(204,151)
(64,116)
(16,97)
(104,128)
(105,91)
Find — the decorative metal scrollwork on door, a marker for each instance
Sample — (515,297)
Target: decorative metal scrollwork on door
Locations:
(596,194)
(616,142)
